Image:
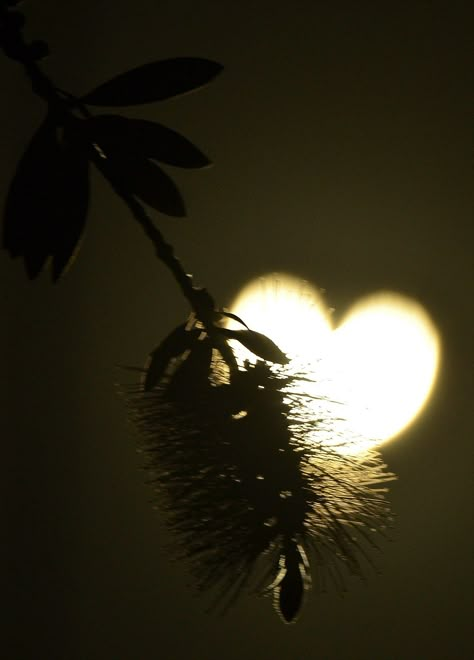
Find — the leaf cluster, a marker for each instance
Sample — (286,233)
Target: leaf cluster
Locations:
(48,199)
(191,346)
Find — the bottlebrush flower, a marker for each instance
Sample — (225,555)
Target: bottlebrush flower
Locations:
(256,497)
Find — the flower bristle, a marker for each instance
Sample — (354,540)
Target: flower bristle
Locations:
(243,481)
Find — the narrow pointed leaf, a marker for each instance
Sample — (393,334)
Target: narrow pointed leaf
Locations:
(290,596)
(153,186)
(176,343)
(234,317)
(47,202)
(155,81)
(147,138)
(259,344)
(147,181)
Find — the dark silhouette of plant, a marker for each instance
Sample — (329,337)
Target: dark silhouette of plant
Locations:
(47,203)
(255,500)
(254,496)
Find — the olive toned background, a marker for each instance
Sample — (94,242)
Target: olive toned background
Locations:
(342,140)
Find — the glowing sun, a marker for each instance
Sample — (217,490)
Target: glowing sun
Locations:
(379,363)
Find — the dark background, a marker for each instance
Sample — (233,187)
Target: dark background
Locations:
(342,141)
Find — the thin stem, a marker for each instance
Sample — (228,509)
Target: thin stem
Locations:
(163,250)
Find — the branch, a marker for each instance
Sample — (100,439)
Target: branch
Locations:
(62,105)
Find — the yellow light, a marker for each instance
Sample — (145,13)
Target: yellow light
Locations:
(380,362)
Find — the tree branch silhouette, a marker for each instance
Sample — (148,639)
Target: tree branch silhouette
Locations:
(252,494)
(62,106)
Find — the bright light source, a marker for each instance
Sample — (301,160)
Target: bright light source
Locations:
(380,362)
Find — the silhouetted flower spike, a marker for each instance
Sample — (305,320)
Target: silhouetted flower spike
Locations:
(254,496)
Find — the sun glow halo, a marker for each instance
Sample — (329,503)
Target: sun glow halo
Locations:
(380,362)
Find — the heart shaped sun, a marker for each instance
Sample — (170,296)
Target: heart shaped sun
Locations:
(373,373)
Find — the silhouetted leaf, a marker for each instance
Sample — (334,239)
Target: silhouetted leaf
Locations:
(155,81)
(291,586)
(193,372)
(226,352)
(175,344)
(290,597)
(230,315)
(147,138)
(259,344)
(147,181)
(47,201)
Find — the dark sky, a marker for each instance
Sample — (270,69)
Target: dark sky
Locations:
(342,139)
